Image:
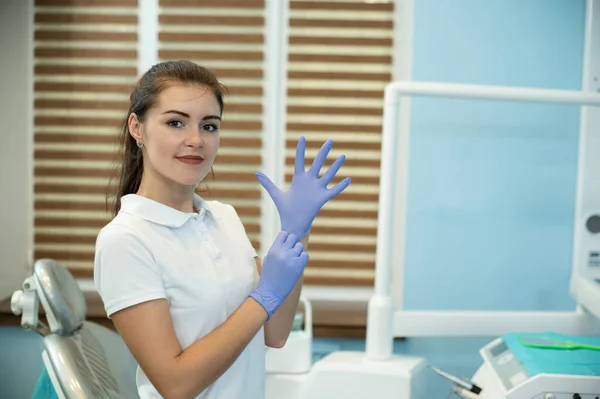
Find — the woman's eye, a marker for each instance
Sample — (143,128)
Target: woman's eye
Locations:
(175,123)
(210,127)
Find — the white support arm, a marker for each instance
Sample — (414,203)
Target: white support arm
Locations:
(381,328)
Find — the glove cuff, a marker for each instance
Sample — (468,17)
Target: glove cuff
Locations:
(268,300)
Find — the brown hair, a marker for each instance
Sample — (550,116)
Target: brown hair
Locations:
(129,167)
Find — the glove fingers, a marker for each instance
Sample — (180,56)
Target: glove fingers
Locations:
(300,150)
(290,241)
(338,188)
(282,237)
(268,185)
(333,169)
(303,259)
(320,158)
(299,248)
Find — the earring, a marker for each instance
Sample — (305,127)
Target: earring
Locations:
(140,145)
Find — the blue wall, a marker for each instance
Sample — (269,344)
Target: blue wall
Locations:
(492,184)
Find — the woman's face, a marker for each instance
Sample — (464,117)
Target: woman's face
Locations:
(180,134)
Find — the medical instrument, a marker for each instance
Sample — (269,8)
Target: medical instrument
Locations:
(466,394)
(547,343)
(463,384)
(513,372)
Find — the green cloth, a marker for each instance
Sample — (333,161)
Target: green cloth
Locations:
(44,388)
(556,361)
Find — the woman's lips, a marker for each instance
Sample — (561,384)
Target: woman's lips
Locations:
(191,160)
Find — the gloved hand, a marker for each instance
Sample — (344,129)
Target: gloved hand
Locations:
(282,267)
(299,205)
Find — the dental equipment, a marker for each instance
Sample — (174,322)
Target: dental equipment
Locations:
(84,360)
(463,384)
(511,373)
(466,394)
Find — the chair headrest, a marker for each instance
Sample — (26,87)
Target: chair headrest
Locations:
(63,299)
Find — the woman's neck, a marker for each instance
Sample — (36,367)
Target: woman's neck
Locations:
(168,193)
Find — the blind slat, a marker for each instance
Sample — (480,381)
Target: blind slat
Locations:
(214,20)
(345,41)
(210,38)
(343,58)
(85,70)
(87,3)
(331,93)
(316,127)
(47,17)
(361,76)
(61,52)
(339,23)
(52,87)
(211,55)
(233,4)
(84,35)
(341,6)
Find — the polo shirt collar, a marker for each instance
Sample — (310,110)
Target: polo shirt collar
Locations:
(162,214)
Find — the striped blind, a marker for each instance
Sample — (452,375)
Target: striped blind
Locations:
(340,59)
(227,37)
(85,65)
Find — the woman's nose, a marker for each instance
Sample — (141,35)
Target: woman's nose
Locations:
(196,138)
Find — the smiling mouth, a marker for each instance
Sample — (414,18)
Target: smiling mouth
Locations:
(191,160)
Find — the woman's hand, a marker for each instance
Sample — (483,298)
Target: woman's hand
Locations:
(299,205)
(284,264)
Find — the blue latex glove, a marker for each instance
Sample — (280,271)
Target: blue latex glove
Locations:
(299,205)
(282,267)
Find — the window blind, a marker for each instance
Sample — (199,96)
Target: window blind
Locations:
(85,65)
(340,59)
(227,37)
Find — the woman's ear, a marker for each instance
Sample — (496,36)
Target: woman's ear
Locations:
(135,127)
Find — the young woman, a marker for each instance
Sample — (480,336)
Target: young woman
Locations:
(177,274)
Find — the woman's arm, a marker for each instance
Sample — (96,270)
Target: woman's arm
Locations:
(277,329)
(147,327)
(148,330)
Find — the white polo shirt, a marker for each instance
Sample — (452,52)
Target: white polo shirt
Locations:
(202,263)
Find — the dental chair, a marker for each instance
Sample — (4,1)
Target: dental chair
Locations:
(84,360)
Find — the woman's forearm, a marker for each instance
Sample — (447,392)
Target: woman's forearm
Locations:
(207,359)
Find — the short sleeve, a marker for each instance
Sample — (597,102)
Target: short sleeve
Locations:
(125,272)
(242,231)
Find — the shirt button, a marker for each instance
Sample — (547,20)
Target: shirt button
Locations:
(205,237)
